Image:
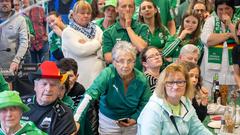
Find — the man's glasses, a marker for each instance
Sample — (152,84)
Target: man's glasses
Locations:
(178,83)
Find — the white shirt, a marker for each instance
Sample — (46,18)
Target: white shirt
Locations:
(225,71)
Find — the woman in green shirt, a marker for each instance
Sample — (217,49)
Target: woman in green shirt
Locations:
(123,92)
(158,35)
(149,14)
(189,33)
(11,109)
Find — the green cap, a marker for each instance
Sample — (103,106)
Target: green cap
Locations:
(12,98)
(109,3)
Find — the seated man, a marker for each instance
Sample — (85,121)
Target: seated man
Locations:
(11,109)
(189,53)
(47,111)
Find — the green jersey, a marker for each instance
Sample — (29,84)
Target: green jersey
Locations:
(28,128)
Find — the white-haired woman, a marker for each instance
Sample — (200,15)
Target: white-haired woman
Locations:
(123,92)
(81,40)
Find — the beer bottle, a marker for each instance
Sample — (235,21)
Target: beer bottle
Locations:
(217,96)
(215,79)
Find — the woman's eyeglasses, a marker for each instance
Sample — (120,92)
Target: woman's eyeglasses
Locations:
(178,83)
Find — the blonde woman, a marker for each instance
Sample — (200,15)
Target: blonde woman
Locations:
(170,111)
(81,40)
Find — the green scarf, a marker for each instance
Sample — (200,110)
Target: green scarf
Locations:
(215,52)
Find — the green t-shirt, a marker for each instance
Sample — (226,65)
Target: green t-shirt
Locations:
(182,8)
(163,6)
(174,3)
(89,1)
(114,102)
(176,109)
(158,39)
(28,128)
(174,45)
(55,42)
(67,100)
(99,23)
(3,84)
(117,33)
(30,25)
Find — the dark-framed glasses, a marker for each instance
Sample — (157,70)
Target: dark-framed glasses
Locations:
(178,83)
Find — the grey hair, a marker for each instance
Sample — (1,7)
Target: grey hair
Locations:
(189,49)
(123,46)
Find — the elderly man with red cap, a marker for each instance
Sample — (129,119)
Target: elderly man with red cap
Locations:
(47,111)
(11,109)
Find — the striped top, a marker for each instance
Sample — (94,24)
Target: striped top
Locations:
(152,81)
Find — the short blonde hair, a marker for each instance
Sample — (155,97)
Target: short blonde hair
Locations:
(82,5)
(160,90)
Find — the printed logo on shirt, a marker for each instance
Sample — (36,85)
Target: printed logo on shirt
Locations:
(160,35)
(118,39)
(25,118)
(115,87)
(46,122)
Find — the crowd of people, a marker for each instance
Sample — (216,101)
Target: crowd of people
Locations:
(116,67)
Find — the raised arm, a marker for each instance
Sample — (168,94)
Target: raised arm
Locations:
(210,38)
(136,40)
(171,45)
(23,44)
